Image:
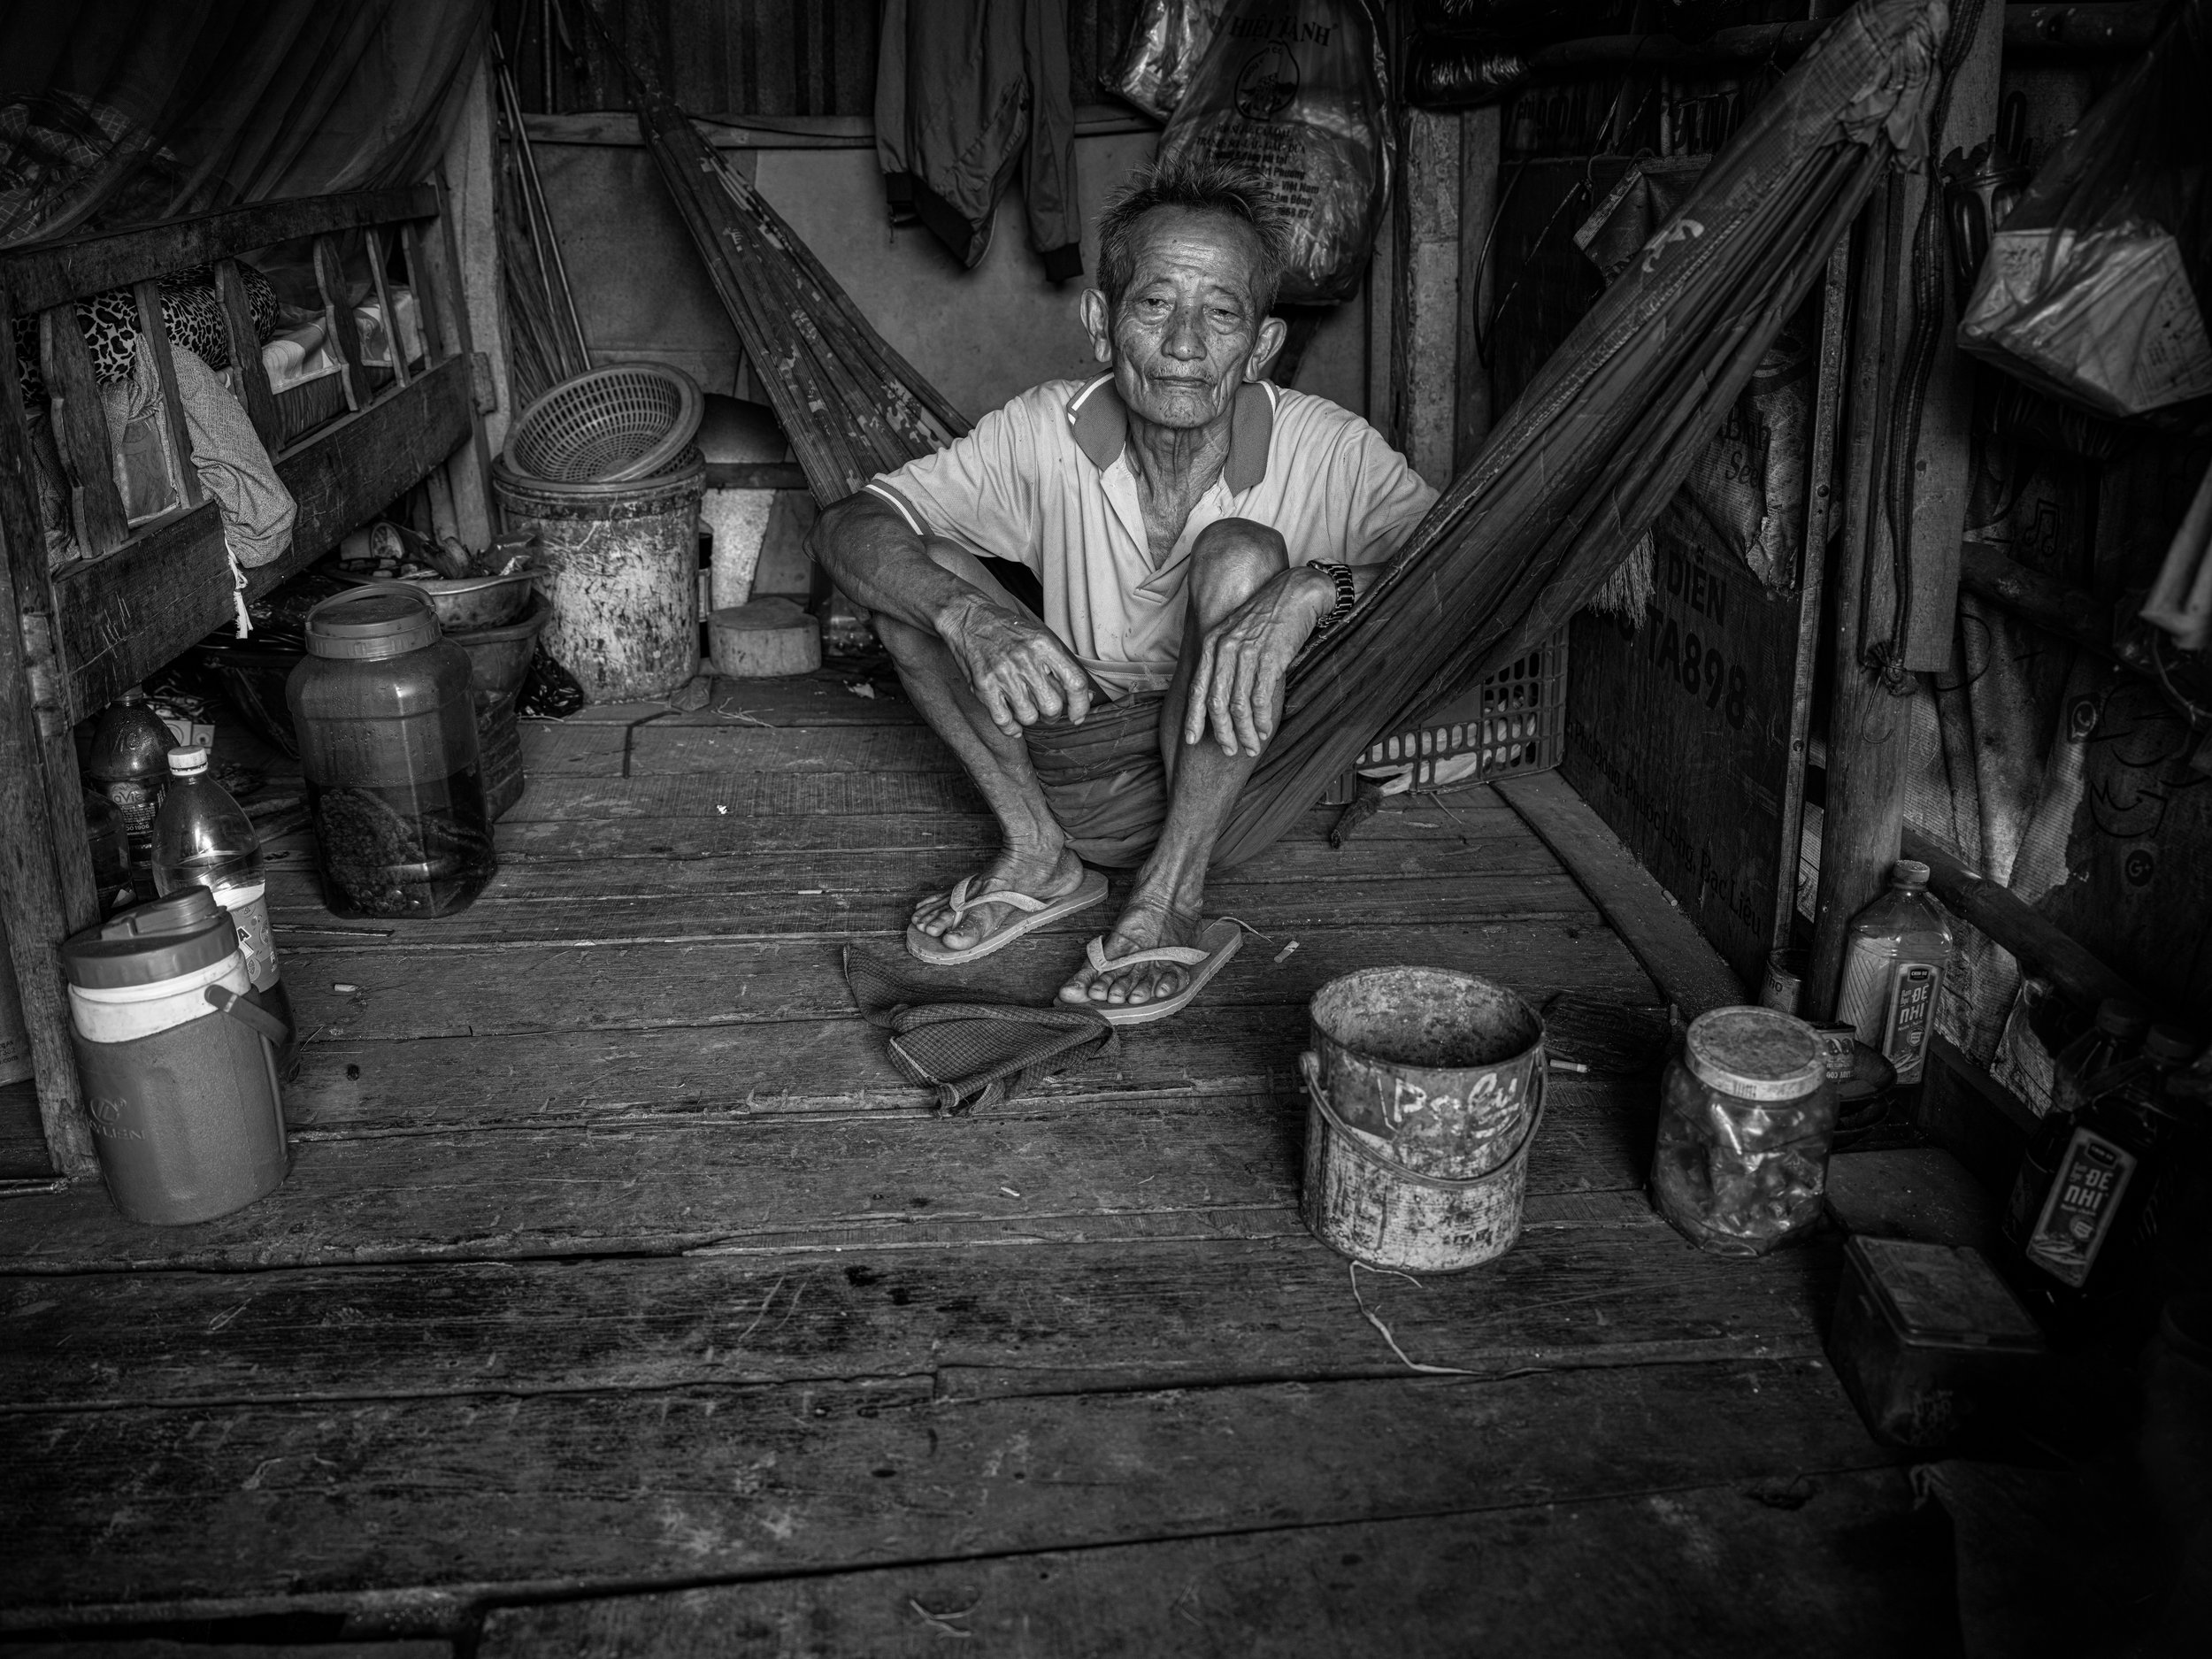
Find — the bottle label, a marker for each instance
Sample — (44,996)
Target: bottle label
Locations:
(249,908)
(1890,1004)
(1911,1006)
(135,803)
(2077,1217)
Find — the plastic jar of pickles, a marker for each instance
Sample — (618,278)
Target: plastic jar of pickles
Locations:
(1745,1117)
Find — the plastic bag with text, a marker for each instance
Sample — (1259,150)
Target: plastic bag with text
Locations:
(1298,93)
(2095,285)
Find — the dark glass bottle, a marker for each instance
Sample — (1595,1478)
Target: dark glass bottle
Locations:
(129,765)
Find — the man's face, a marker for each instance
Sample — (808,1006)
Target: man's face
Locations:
(1184,333)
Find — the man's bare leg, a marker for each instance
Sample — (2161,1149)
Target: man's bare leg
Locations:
(1037,859)
(1230,561)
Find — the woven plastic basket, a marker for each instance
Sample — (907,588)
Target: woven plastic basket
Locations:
(609,426)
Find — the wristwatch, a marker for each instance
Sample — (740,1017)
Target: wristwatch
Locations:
(1346,593)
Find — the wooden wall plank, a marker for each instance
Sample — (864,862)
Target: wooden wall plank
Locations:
(51,272)
(1652,1574)
(409,992)
(882,1177)
(609,1490)
(1275,909)
(1015,1321)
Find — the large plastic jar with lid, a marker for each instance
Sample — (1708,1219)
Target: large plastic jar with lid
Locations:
(1746,1113)
(387,730)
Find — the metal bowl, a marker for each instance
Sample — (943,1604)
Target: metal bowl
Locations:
(467,603)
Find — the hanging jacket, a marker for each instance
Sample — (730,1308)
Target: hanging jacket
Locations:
(964,90)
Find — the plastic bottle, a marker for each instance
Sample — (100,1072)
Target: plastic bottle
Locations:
(1894,963)
(2116,1038)
(2095,1217)
(202,838)
(125,766)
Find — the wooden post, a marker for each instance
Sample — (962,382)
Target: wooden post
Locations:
(1479,158)
(1382,294)
(44,895)
(469,471)
(1870,724)
(1946,453)
(245,357)
(345,332)
(176,437)
(80,433)
(1426,319)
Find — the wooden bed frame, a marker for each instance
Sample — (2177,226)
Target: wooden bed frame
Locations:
(141,594)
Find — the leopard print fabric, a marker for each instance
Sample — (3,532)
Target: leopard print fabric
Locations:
(190,310)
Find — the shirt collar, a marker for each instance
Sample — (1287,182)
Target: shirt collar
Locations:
(1100,423)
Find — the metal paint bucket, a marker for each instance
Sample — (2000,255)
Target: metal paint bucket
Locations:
(1424,1089)
(619,566)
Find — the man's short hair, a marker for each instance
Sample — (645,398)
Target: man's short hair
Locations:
(1203,187)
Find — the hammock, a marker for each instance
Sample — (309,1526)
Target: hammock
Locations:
(1560,493)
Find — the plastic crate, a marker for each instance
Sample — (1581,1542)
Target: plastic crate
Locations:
(1516,721)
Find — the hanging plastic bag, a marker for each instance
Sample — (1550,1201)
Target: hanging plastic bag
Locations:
(2094,286)
(1165,43)
(1299,94)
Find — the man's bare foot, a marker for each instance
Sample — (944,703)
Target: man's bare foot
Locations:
(1046,875)
(1144,925)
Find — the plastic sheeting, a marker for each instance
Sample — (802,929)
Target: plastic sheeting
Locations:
(121,112)
(1607,431)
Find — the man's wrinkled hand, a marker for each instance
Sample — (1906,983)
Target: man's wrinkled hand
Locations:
(1021,674)
(1238,686)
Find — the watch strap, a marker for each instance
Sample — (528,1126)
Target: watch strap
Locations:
(1346,592)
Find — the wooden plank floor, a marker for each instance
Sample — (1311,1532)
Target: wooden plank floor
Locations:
(623,1299)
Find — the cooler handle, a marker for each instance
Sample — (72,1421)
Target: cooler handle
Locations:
(249,1014)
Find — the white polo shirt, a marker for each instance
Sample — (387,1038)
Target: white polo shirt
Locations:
(1045,482)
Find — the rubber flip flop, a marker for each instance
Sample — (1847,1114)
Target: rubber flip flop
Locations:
(924,947)
(1212,954)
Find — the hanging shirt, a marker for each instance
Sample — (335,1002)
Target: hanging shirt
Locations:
(1046,482)
(965,90)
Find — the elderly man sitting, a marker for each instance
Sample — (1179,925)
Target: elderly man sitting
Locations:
(1191,526)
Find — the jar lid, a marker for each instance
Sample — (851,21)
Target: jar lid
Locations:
(371,624)
(2120,1016)
(1755,1053)
(2170,1042)
(171,936)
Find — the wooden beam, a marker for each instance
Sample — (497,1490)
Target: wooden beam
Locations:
(1865,813)
(338,317)
(245,355)
(48,273)
(1944,461)
(1425,323)
(1479,155)
(125,616)
(1687,968)
(2040,945)
(176,435)
(39,884)
(80,433)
